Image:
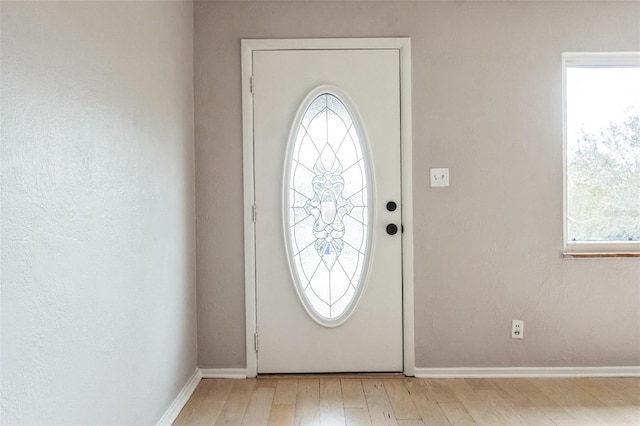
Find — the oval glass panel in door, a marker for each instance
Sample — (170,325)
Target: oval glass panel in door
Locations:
(327,213)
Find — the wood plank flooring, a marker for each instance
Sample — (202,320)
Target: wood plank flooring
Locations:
(398,400)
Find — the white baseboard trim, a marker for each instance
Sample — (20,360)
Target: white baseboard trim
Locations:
(455,372)
(176,406)
(201,373)
(223,373)
(495,372)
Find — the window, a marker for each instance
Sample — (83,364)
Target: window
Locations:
(327,209)
(602,153)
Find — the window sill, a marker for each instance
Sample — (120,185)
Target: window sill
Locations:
(569,255)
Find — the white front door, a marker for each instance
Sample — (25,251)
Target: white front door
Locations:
(327,192)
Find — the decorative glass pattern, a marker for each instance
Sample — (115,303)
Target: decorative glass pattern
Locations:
(328,213)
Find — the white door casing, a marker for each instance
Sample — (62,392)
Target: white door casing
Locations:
(384,303)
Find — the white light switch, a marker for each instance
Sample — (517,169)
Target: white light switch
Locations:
(439,177)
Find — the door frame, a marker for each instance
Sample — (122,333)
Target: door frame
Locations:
(403,45)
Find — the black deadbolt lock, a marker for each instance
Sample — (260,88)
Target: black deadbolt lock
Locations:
(391,206)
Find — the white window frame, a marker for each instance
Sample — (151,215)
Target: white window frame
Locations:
(592,60)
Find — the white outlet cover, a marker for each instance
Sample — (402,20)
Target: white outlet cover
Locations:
(439,177)
(517,329)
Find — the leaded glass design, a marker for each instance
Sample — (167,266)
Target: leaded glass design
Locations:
(328,214)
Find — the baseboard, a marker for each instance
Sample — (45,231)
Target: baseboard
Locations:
(456,372)
(176,406)
(223,373)
(495,372)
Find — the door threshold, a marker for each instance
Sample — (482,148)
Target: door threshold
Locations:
(358,375)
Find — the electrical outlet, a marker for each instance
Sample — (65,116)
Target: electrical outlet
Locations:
(517,329)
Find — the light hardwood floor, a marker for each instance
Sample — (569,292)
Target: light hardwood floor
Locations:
(399,400)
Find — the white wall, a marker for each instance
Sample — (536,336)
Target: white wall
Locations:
(487,102)
(98,284)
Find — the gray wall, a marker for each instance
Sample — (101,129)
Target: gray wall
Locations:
(98,199)
(486,103)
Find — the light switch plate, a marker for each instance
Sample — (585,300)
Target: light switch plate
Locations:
(439,177)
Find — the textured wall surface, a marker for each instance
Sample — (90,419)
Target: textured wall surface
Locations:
(487,103)
(98,243)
